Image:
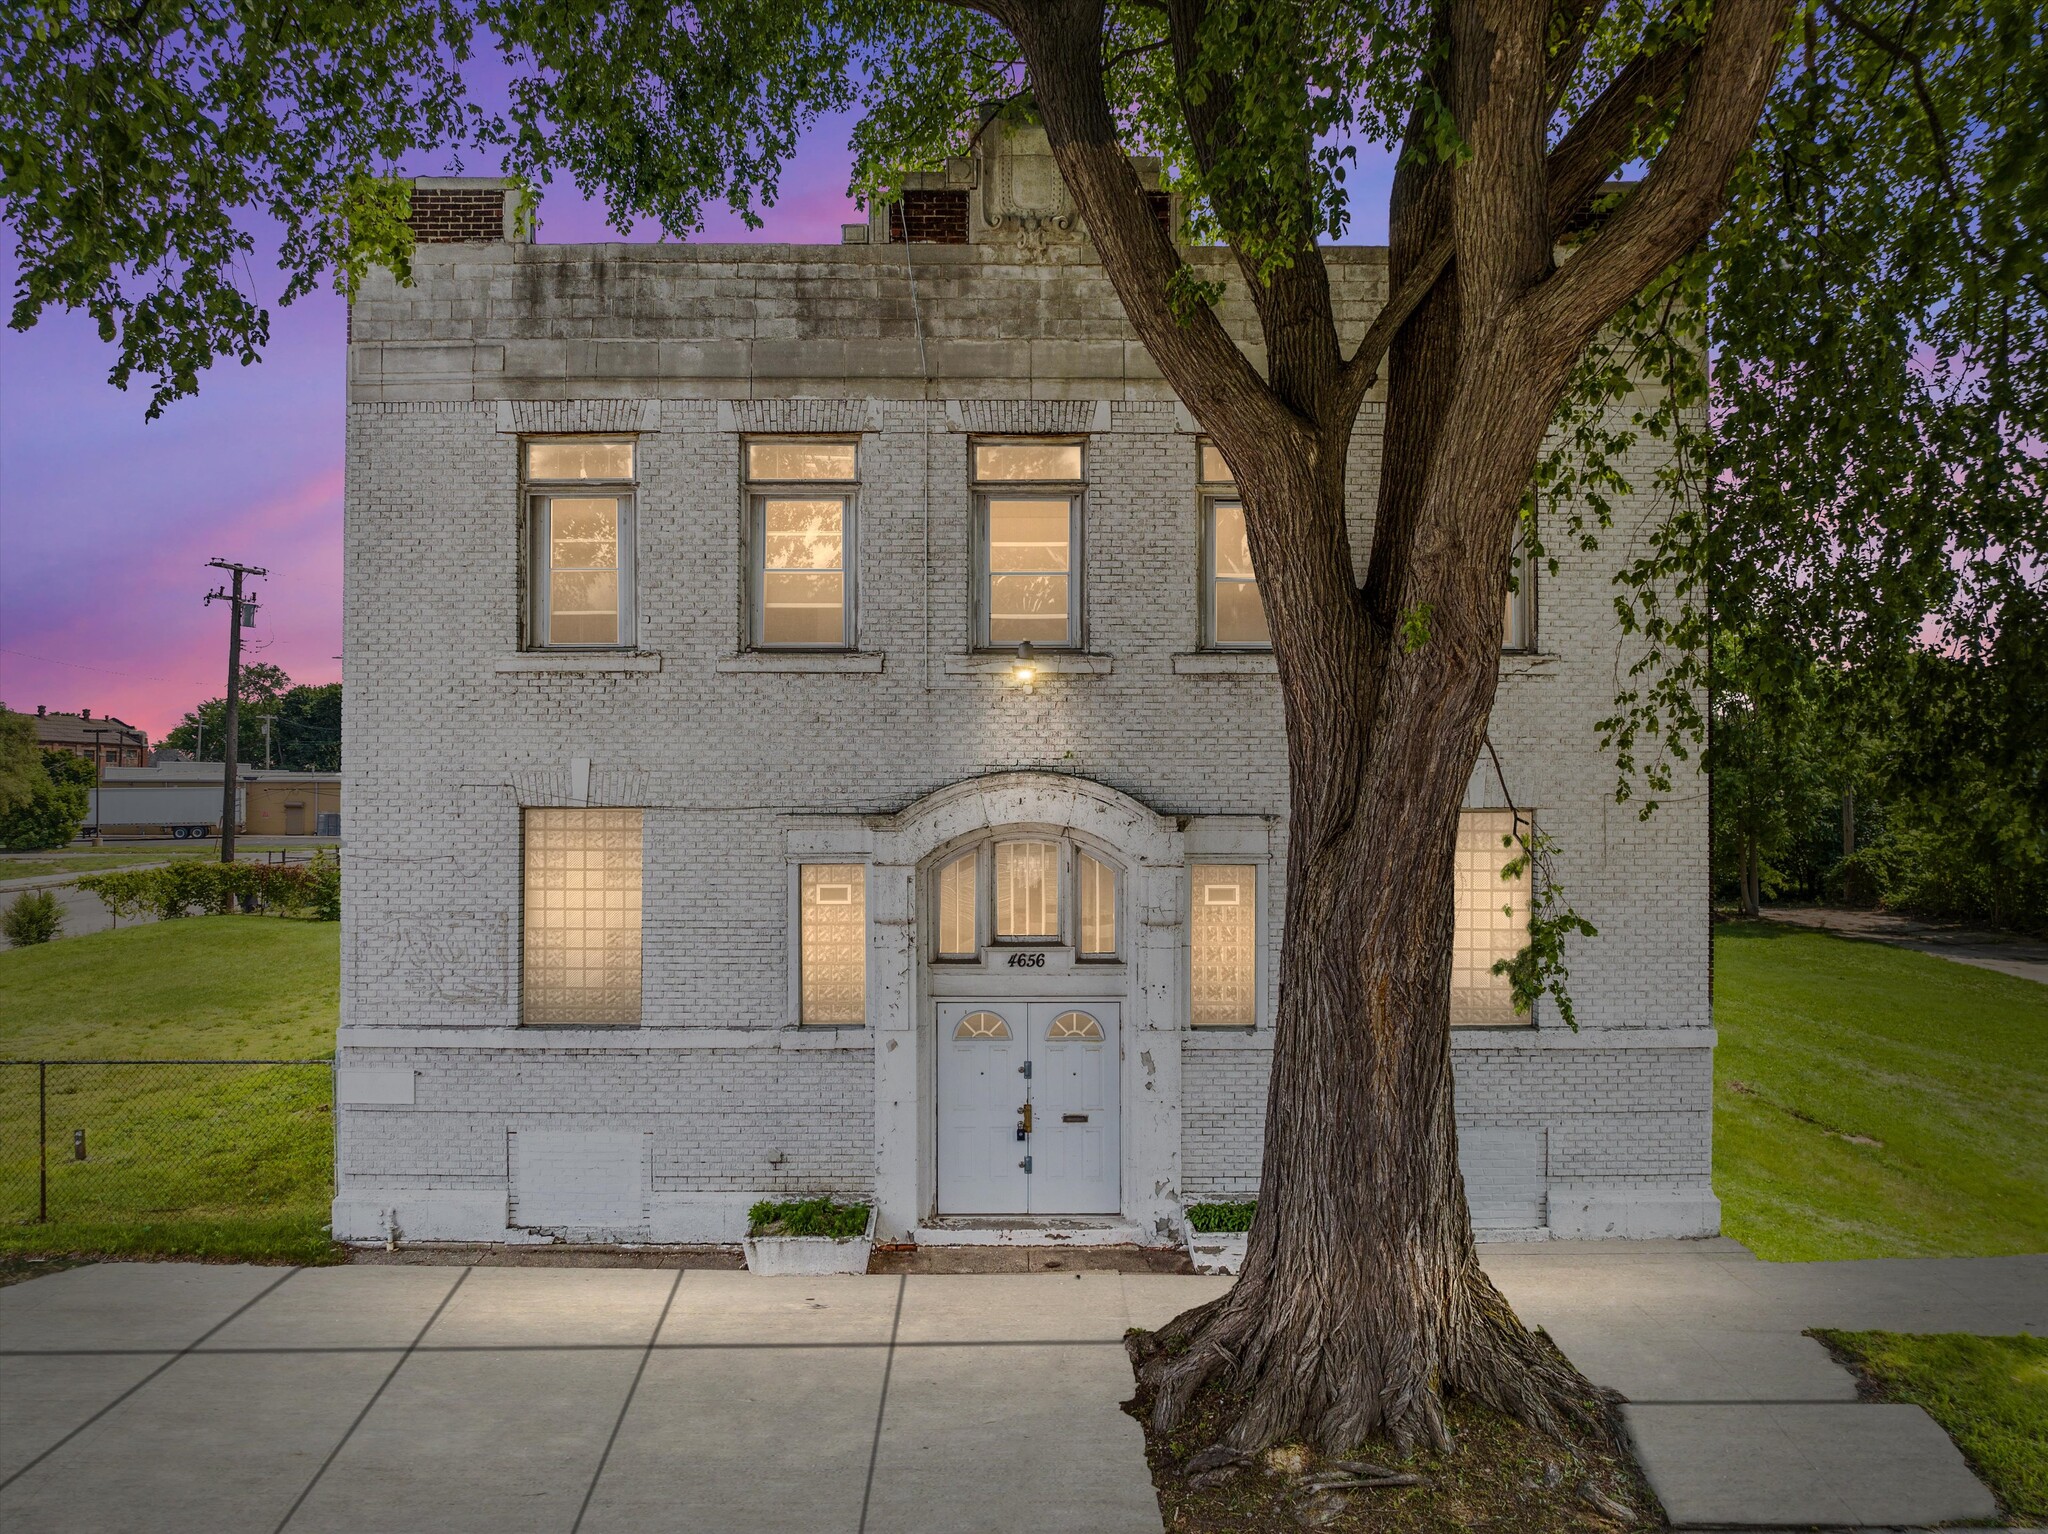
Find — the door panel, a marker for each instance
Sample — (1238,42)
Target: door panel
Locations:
(1076,1150)
(981,1088)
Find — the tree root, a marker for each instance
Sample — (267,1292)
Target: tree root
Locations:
(1332,1375)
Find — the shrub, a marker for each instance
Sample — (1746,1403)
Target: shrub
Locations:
(807,1217)
(34,917)
(324,885)
(312,889)
(1216,1219)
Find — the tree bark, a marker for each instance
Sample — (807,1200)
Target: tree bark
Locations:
(1361,1305)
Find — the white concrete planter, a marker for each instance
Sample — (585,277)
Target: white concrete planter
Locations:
(1214,1251)
(805,1256)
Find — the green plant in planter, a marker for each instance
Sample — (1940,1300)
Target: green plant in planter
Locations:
(1220,1219)
(807,1217)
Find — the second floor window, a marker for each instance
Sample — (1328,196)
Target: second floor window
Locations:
(1519,631)
(1233,614)
(580,516)
(801,542)
(1027,497)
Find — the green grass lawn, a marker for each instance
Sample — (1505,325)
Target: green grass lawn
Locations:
(88,862)
(180,1160)
(1874,1102)
(1990,1393)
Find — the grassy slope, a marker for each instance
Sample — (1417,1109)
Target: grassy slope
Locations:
(1991,1393)
(205,987)
(1944,1065)
(183,1161)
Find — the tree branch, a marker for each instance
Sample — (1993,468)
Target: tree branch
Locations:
(1677,202)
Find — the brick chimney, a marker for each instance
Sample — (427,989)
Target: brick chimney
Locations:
(85,713)
(464,210)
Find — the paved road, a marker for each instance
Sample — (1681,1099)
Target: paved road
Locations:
(170,1397)
(2026,958)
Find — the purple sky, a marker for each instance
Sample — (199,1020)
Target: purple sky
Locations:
(107,520)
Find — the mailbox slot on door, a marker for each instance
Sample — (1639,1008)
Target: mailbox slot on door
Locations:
(1073,1118)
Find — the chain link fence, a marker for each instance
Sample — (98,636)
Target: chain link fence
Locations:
(124,1142)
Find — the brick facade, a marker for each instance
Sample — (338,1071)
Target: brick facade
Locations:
(740,762)
(448,215)
(934,218)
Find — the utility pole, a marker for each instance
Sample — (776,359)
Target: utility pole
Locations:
(99,776)
(266,718)
(241,615)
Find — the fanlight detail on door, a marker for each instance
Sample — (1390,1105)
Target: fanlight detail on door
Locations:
(1075,1025)
(986,1025)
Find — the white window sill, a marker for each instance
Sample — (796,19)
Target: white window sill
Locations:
(559,662)
(783,662)
(1043,662)
(1225,663)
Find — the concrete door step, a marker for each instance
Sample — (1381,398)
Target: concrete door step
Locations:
(1787,1465)
(1028,1230)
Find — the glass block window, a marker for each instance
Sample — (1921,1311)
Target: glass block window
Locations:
(582,917)
(959,938)
(1223,940)
(1027,577)
(580,515)
(1028,891)
(1096,882)
(1492,922)
(833,943)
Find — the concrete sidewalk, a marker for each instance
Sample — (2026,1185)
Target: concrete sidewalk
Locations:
(1737,1417)
(173,1397)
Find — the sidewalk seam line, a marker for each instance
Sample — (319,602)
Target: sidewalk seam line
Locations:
(626,1405)
(375,1396)
(882,1406)
(263,1293)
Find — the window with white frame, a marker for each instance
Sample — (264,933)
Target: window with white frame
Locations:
(1223,945)
(1519,630)
(1492,920)
(581,917)
(579,509)
(1233,615)
(832,944)
(801,506)
(1027,499)
(1024,890)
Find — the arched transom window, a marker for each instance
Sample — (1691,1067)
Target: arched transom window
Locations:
(1075,1025)
(1033,890)
(981,1025)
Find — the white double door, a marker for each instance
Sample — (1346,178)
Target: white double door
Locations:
(1028,1107)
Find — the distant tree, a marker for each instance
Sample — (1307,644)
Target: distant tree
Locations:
(53,805)
(305,731)
(21,763)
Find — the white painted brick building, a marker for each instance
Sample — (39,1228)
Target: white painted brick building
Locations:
(649,915)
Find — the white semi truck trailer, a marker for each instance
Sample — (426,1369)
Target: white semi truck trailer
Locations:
(181,810)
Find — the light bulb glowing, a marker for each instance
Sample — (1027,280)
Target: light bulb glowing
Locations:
(1025,671)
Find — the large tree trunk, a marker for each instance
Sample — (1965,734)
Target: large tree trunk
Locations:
(1362,1304)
